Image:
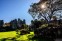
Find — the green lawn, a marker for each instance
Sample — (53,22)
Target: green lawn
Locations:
(12,34)
(7,34)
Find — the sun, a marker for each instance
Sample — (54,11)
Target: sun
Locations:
(43,6)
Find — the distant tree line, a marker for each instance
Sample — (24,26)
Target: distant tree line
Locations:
(13,25)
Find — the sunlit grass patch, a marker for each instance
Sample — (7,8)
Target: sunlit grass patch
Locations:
(23,37)
(7,34)
(26,36)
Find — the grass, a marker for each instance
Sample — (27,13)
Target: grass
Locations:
(7,34)
(12,34)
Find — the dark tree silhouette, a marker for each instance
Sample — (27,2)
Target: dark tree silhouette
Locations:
(47,9)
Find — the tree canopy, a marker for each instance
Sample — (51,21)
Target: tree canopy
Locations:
(45,9)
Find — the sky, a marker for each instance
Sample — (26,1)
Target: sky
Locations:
(13,9)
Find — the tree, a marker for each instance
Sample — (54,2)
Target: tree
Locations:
(13,24)
(45,9)
(24,21)
(1,23)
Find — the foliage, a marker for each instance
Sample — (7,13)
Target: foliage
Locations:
(43,26)
(45,9)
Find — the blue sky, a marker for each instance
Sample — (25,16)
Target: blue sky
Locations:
(13,9)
